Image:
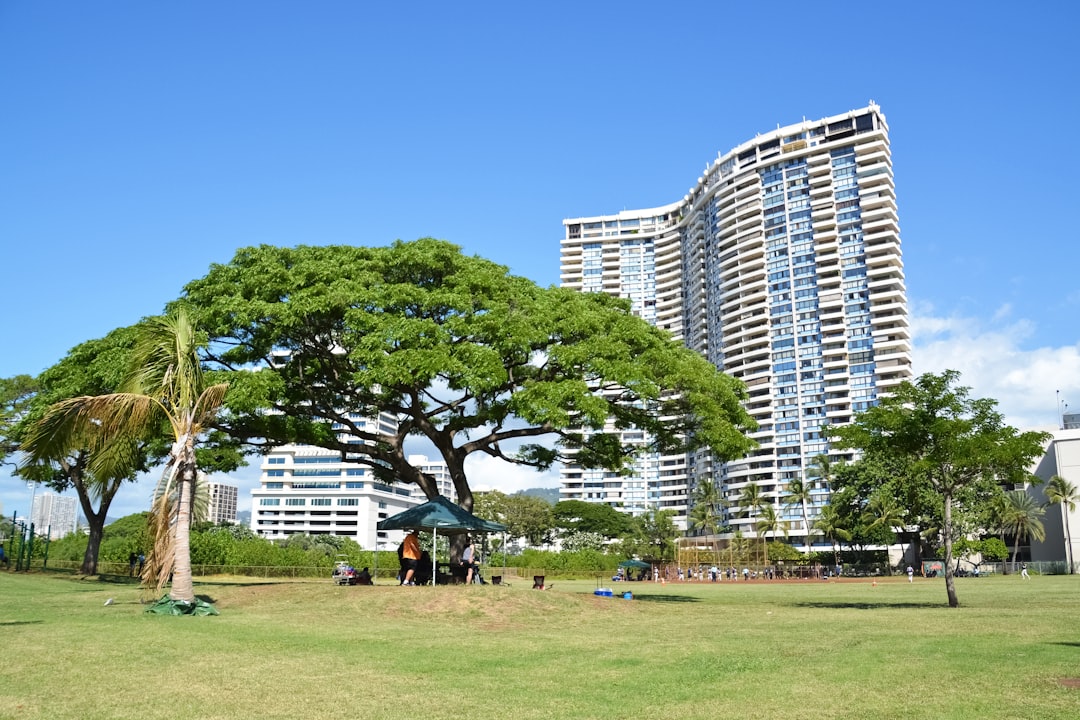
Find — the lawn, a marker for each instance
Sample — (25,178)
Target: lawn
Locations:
(312,649)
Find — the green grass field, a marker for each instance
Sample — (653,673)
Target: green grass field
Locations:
(744,650)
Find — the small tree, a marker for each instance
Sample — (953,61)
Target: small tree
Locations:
(956,446)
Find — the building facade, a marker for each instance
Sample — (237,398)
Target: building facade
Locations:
(55,515)
(311,490)
(222,505)
(782,265)
(1061,525)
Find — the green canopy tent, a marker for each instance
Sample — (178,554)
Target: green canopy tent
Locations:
(636,564)
(439,515)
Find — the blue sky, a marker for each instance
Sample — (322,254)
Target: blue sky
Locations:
(141,142)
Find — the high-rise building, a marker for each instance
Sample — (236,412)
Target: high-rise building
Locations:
(222,505)
(53,514)
(782,266)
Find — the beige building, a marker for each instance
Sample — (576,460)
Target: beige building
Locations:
(1062,458)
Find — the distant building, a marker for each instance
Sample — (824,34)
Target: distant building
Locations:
(1062,458)
(222,506)
(54,514)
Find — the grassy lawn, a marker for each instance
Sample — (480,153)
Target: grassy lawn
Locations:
(312,649)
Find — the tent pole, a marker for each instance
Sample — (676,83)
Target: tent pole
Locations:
(434,554)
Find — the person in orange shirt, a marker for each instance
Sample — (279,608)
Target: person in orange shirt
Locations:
(410,556)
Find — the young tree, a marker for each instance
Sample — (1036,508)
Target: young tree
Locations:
(956,445)
(1060,491)
(166,385)
(469,357)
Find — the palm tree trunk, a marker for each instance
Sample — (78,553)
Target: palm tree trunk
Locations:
(806,525)
(183,589)
(1068,539)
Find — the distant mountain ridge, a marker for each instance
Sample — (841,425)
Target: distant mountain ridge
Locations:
(548,495)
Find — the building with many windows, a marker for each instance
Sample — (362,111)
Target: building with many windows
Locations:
(222,505)
(782,265)
(310,490)
(55,515)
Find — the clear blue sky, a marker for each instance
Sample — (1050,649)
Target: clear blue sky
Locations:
(141,142)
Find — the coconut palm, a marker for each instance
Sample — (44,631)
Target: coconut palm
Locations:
(885,511)
(167,386)
(705,515)
(1024,519)
(769,522)
(1060,491)
(800,493)
(830,525)
(821,470)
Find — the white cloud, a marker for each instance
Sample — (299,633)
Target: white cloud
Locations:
(994,363)
(488,473)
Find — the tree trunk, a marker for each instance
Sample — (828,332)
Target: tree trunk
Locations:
(183,588)
(1068,538)
(950,585)
(806,524)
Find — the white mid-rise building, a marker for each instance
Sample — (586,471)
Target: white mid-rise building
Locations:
(311,490)
(55,515)
(782,266)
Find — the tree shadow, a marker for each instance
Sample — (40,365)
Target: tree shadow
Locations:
(667,598)
(1067,644)
(8,623)
(867,605)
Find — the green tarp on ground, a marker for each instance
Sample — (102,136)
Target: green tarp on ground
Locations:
(167,606)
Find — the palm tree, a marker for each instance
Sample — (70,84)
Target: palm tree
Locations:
(1024,519)
(801,493)
(829,523)
(886,512)
(704,515)
(821,470)
(1060,491)
(166,385)
(769,522)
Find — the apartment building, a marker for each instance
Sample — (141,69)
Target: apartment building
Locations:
(222,502)
(782,265)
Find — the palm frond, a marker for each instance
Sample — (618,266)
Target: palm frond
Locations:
(159,560)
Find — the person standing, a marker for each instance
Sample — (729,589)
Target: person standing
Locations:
(1024,572)
(468,560)
(410,556)
(132,559)
(910,574)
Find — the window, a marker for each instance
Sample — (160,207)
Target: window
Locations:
(274,485)
(348,501)
(275,473)
(320,501)
(275,461)
(295,501)
(269,502)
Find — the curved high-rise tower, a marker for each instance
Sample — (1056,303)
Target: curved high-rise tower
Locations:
(782,265)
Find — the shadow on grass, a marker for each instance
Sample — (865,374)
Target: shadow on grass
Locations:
(8,623)
(868,605)
(1067,644)
(667,598)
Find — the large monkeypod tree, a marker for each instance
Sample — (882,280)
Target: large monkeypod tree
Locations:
(318,341)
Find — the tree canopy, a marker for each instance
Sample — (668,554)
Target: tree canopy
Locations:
(946,443)
(464,354)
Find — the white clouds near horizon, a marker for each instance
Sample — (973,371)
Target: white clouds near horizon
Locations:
(994,362)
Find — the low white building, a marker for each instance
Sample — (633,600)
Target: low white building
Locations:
(311,490)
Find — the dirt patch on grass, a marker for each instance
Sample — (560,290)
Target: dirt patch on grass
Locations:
(1070,682)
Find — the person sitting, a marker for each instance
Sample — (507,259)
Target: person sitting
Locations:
(364,577)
